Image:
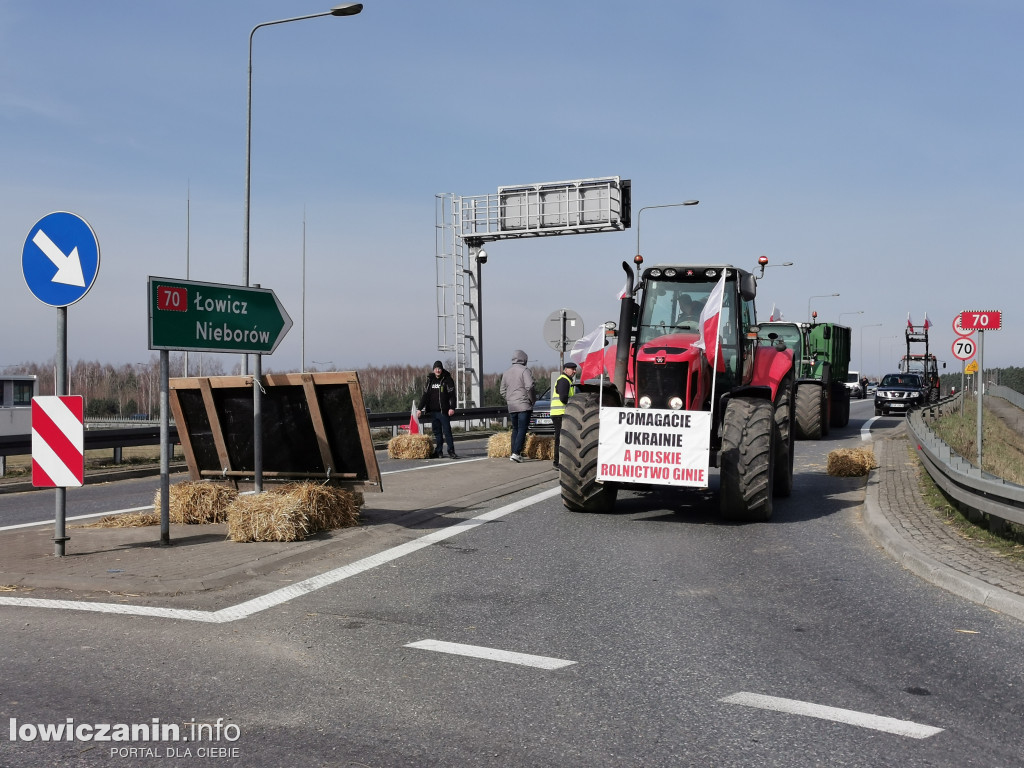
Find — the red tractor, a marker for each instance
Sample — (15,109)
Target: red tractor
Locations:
(689,388)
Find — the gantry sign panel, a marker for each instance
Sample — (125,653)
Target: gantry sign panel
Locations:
(551,208)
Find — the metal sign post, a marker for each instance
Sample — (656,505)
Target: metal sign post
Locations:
(60,262)
(980,386)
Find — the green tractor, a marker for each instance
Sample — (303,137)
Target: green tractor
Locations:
(823,354)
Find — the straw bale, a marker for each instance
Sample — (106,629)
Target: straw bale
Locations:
(851,462)
(410,447)
(538,447)
(292,512)
(499,445)
(197,503)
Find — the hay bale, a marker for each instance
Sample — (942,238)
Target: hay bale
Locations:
(499,445)
(197,503)
(851,462)
(292,512)
(410,447)
(538,447)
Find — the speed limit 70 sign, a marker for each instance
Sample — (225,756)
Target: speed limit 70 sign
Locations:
(964,348)
(988,320)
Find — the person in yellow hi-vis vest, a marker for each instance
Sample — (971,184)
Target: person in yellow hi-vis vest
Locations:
(564,389)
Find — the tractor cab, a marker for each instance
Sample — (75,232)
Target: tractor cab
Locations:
(671,368)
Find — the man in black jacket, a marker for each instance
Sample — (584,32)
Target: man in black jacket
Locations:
(438,399)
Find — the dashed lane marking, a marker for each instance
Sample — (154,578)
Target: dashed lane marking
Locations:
(493,654)
(286,594)
(861,719)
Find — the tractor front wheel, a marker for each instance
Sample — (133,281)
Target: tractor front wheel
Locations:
(747,460)
(810,411)
(577,459)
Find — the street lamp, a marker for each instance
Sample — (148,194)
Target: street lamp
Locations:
(880,340)
(871,325)
(822,296)
(858,312)
(345,9)
(638,259)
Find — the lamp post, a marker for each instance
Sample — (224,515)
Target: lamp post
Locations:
(345,9)
(638,259)
(822,296)
(858,312)
(871,325)
(880,340)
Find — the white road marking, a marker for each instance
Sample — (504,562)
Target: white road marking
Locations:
(77,517)
(861,719)
(285,594)
(494,654)
(435,466)
(865,430)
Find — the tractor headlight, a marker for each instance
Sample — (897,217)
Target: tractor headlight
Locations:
(645,402)
(676,403)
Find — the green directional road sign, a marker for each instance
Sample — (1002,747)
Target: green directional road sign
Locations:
(209,317)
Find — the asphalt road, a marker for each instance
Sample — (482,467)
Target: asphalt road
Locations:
(680,630)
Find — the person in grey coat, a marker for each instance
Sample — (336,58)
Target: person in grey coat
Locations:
(518,390)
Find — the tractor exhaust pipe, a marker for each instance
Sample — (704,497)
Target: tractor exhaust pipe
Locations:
(625,334)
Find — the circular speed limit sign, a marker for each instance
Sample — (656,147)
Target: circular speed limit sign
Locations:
(964,348)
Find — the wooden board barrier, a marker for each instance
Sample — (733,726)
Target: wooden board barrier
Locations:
(314,428)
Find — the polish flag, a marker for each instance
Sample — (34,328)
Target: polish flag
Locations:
(927,322)
(775,315)
(414,422)
(709,317)
(624,292)
(909,323)
(588,354)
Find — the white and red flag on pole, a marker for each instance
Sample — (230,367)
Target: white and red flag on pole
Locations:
(776,315)
(58,440)
(910,323)
(588,354)
(624,292)
(709,318)
(414,422)
(927,322)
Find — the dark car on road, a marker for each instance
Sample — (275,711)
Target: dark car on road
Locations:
(540,419)
(898,393)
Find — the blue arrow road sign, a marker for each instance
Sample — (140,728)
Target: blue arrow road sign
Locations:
(61,259)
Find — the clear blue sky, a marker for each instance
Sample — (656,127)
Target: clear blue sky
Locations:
(877,145)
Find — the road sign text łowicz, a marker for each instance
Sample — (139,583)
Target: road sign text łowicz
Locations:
(210,317)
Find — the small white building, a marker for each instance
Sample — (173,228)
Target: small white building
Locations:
(16,393)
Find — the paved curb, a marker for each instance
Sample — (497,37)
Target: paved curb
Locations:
(928,568)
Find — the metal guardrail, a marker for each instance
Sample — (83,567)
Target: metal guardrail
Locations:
(956,476)
(124,437)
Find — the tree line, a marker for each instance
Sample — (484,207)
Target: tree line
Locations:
(133,389)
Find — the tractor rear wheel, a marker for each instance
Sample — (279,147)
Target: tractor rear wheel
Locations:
(840,415)
(810,411)
(577,459)
(747,459)
(784,449)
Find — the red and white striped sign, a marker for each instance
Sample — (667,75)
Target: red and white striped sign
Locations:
(58,439)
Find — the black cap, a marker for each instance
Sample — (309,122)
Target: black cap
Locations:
(437,364)
(571,365)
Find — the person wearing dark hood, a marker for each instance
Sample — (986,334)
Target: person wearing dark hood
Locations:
(518,390)
(438,399)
